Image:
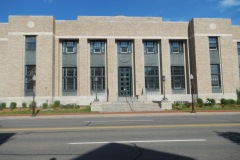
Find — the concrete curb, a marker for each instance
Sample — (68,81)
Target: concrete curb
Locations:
(122,114)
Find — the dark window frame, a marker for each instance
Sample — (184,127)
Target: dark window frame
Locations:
(124,47)
(151,77)
(30,43)
(30,71)
(176,47)
(97,45)
(238,48)
(99,73)
(177,77)
(69,78)
(213,43)
(153,45)
(215,76)
(69,45)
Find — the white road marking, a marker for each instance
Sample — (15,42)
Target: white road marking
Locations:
(146,141)
(120,121)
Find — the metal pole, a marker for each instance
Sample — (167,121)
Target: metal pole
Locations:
(192,92)
(96,80)
(164,97)
(34,94)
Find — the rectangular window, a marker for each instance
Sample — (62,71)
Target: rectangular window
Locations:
(124,47)
(215,75)
(69,47)
(151,77)
(150,47)
(30,71)
(176,47)
(97,47)
(177,77)
(30,44)
(69,78)
(213,43)
(238,47)
(98,78)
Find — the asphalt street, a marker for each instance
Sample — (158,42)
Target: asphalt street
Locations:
(121,137)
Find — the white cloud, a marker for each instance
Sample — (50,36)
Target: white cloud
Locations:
(229,3)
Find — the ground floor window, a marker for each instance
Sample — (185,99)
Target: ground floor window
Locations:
(98,78)
(177,77)
(151,77)
(215,75)
(30,71)
(69,78)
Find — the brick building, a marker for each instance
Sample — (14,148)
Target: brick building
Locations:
(117,57)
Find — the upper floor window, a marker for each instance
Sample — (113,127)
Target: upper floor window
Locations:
(213,43)
(69,47)
(97,47)
(30,43)
(150,47)
(124,47)
(238,47)
(176,47)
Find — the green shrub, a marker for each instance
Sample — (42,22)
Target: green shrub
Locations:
(2,105)
(56,104)
(199,102)
(232,101)
(45,105)
(24,105)
(13,105)
(210,102)
(186,104)
(224,101)
(238,102)
(31,105)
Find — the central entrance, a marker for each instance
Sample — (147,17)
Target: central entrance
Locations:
(124,81)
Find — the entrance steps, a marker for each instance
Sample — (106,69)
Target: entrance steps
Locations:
(125,104)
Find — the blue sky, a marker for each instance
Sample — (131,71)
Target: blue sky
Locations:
(169,10)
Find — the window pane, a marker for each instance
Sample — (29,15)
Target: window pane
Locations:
(69,78)
(177,76)
(151,77)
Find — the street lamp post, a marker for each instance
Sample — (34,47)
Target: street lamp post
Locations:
(96,80)
(192,92)
(163,79)
(34,94)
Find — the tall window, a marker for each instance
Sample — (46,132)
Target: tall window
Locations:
(30,71)
(215,75)
(177,77)
(124,47)
(151,77)
(69,78)
(238,47)
(176,47)
(30,44)
(150,47)
(69,47)
(97,73)
(213,43)
(97,47)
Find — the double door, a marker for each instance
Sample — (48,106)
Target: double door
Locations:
(124,81)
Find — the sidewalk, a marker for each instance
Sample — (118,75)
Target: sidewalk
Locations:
(123,114)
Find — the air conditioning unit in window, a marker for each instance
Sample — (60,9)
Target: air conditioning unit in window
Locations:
(124,49)
(69,50)
(150,50)
(97,50)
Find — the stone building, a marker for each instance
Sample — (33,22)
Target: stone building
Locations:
(117,58)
